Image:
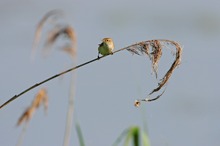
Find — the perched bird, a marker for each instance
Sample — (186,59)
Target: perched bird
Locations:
(106,47)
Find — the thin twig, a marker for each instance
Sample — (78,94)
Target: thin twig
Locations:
(70,110)
(69,116)
(50,78)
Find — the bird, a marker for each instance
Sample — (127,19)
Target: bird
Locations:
(106,47)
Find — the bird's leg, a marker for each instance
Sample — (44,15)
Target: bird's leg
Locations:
(98,55)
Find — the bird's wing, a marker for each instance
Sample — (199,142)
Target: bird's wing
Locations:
(102,44)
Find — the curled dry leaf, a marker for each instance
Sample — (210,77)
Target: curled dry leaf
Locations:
(153,49)
(40,98)
(66,32)
(168,74)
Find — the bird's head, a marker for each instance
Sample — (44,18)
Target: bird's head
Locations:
(109,42)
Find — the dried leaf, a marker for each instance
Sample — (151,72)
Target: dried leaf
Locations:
(70,33)
(57,30)
(155,55)
(62,31)
(153,49)
(69,50)
(40,98)
(176,63)
(26,116)
(52,36)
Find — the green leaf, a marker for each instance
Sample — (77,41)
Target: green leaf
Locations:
(132,134)
(136,136)
(121,136)
(145,139)
(79,133)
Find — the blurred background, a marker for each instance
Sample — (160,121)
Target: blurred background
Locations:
(187,113)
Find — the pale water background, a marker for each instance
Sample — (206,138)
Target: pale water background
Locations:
(186,115)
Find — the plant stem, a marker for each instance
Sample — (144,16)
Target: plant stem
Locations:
(163,81)
(55,76)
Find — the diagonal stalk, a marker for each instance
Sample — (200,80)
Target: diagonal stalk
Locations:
(55,76)
(137,103)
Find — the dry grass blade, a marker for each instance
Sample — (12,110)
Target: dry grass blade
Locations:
(40,98)
(52,36)
(69,49)
(50,15)
(69,32)
(66,32)
(26,116)
(176,63)
(155,55)
(153,49)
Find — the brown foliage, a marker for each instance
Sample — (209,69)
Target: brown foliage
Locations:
(153,49)
(57,30)
(40,98)
(67,32)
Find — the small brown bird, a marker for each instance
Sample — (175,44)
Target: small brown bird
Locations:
(106,47)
